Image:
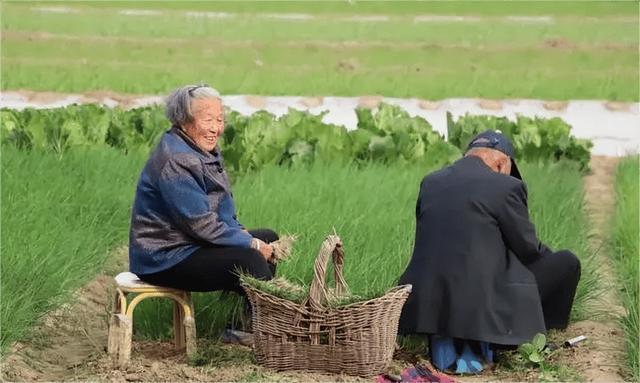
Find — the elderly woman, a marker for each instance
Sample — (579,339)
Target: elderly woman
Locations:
(184,230)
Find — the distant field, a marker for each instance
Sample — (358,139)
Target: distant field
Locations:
(562,51)
(532,7)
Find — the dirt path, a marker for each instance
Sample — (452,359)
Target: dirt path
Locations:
(600,359)
(547,44)
(69,344)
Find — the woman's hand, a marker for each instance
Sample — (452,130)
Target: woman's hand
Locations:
(267,251)
(264,248)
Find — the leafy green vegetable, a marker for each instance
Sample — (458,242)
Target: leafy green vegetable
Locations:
(387,134)
(537,140)
(535,351)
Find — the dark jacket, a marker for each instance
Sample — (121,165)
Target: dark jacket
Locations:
(473,240)
(183,202)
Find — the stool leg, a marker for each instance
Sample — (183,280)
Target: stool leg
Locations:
(120,332)
(114,331)
(178,326)
(190,335)
(190,327)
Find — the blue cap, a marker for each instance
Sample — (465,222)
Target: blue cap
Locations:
(498,141)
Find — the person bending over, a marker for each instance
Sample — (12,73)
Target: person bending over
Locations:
(481,278)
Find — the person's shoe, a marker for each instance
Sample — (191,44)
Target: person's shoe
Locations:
(468,362)
(443,351)
(237,337)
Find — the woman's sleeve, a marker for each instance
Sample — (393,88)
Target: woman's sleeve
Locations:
(181,186)
(235,219)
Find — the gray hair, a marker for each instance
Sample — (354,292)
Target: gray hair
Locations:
(178,103)
(487,154)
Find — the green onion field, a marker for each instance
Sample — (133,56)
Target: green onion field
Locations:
(68,175)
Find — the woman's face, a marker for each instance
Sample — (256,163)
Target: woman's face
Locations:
(207,124)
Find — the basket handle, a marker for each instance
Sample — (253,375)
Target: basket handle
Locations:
(332,245)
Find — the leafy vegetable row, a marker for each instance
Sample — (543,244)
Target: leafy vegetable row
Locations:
(386,134)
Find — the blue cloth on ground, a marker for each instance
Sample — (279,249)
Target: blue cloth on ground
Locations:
(444,354)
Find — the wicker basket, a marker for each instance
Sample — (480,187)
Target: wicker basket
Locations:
(357,339)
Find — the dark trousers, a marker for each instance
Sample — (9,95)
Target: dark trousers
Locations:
(215,268)
(557,275)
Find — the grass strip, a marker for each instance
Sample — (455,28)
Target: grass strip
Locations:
(372,209)
(488,8)
(60,218)
(61,215)
(627,258)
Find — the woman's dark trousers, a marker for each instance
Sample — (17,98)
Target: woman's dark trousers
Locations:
(216,268)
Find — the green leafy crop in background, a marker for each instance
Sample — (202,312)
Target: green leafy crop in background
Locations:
(387,134)
(536,140)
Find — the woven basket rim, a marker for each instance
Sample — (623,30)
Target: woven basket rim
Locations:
(391,290)
(350,305)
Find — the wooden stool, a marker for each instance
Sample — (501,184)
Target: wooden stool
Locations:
(121,321)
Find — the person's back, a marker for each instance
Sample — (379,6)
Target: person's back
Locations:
(480,275)
(461,264)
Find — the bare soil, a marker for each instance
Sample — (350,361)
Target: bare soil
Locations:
(69,344)
(601,357)
(555,105)
(91,97)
